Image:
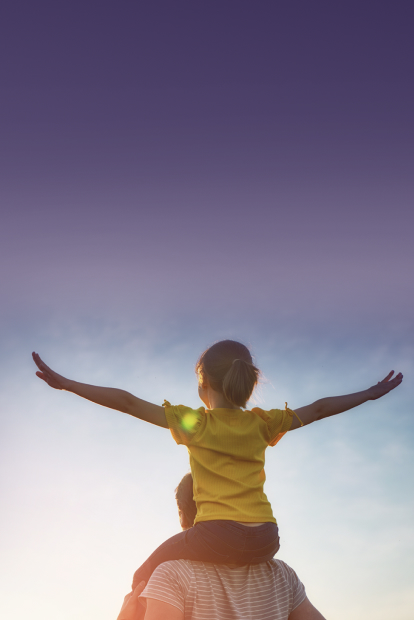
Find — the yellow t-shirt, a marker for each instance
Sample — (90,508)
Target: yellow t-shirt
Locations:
(227,456)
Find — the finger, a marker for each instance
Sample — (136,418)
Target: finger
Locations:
(41,376)
(42,366)
(388,377)
(391,385)
(139,589)
(39,363)
(36,358)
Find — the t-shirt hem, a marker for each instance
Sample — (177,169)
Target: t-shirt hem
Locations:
(301,599)
(287,423)
(172,423)
(159,597)
(239,518)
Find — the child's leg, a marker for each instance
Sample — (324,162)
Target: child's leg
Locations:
(186,545)
(261,544)
(218,542)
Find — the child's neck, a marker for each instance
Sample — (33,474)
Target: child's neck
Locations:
(219,401)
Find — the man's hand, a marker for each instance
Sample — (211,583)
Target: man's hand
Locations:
(385,386)
(132,609)
(48,375)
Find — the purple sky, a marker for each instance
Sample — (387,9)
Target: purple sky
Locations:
(171,174)
(231,155)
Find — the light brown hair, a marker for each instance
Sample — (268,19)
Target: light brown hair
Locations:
(228,367)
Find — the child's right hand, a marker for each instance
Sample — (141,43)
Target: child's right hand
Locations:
(326,407)
(48,375)
(385,386)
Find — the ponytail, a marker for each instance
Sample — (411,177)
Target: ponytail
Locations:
(229,369)
(239,382)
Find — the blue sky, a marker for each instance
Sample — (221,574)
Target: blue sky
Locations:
(90,491)
(171,178)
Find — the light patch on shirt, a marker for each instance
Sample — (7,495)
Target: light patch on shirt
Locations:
(189,421)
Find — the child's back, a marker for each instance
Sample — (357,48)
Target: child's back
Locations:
(227,457)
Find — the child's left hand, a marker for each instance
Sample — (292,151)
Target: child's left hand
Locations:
(385,386)
(132,609)
(48,375)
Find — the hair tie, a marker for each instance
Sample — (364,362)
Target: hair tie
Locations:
(240,360)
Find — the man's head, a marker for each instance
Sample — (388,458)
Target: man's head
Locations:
(187,508)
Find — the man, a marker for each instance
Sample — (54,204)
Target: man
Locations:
(187,590)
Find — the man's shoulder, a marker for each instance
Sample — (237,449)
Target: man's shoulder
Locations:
(187,573)
(192,566)
(282,566)
(179,568)
(207,589)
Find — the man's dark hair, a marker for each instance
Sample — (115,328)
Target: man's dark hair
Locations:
(185,502)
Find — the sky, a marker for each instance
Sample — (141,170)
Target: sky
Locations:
(177,173)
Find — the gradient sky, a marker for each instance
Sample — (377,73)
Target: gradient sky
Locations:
(177,173)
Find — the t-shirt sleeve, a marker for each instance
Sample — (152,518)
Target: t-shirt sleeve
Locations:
(278,422)
(165,585)
(183,422)
(296,586)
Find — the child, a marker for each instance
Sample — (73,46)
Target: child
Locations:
(234,521)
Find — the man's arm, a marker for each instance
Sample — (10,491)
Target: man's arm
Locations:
(132,608)
(158,610)
(326,407)
(304,611)
(107,397)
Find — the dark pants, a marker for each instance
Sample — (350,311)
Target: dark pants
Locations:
(218,542)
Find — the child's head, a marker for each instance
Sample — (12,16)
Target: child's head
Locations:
(228,368)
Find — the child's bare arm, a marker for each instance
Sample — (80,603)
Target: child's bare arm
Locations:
(108,397)
(326,407)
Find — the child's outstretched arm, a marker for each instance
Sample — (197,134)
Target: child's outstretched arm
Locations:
(326,407)
(108,397)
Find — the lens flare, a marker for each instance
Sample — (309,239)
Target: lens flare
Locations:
(189,421)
